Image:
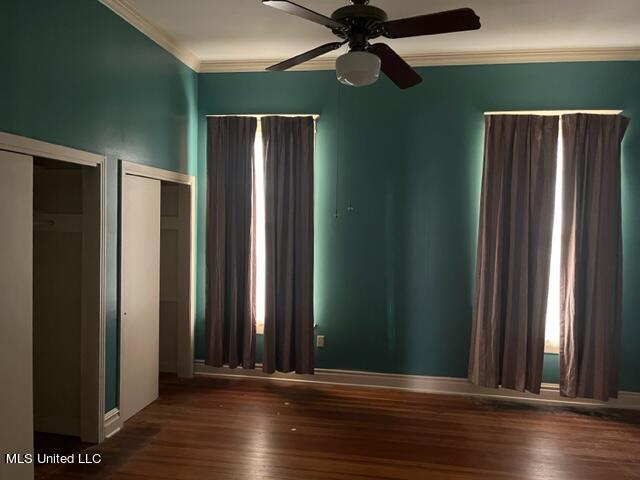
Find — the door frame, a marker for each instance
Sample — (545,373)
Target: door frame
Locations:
(185,341)
(93,347)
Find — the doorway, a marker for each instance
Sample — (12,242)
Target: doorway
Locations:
(156,287)
(59,200)
(51,290)
(175,252)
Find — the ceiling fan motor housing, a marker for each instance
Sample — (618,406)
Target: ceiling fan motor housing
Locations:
(364,23)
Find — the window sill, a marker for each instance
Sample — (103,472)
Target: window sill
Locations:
(551,348)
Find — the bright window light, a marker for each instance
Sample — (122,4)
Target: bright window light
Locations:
(552,327)
(260,245)
(552,320)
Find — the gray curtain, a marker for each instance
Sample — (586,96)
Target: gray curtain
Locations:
(288,331)
(591,258)
(230,316)
(514,251)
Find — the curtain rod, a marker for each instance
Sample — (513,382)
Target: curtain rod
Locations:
(555,112)
(260,115)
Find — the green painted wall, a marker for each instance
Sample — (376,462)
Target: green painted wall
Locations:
(394,279)
(74,73)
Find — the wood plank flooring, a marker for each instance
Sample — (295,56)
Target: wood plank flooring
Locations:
(222,429)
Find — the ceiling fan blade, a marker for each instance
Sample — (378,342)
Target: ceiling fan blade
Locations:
(394,67)
(305,57)
(458,20)
(302,12)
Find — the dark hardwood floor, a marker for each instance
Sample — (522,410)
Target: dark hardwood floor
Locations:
(221,429)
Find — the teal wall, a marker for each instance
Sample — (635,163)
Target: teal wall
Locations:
(394,279)
(75,74)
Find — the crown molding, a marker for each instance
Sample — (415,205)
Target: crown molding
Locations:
(448,58)
(124,9)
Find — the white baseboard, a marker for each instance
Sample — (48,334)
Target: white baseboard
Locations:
(417,383)
(112,422)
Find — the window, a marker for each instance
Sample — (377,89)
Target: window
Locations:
(552,322)
(260,245)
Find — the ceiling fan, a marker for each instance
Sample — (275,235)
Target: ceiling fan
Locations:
(358,23)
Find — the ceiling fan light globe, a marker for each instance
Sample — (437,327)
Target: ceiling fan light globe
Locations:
(357,69)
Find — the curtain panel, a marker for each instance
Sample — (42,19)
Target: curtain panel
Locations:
(288,144)
(514,251)
(591,255)
(230,260)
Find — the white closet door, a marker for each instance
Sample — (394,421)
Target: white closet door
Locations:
(140,319)
(16,301)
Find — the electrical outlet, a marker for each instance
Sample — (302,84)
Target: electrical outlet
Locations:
(320,341)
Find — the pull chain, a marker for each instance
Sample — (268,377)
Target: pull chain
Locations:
(350,208)
(337,214)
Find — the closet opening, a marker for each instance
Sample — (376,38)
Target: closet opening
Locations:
(52,292)
(66,301)
(174,272)
(156,282)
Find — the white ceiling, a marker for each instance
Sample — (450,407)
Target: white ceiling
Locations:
(245,30)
